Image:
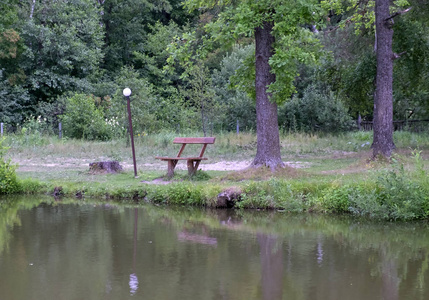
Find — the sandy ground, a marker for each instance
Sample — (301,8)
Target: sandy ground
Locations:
(28,165)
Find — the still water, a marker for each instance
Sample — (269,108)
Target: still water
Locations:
(80,250)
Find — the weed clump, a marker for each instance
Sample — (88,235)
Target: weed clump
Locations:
(390,194)
(8,182)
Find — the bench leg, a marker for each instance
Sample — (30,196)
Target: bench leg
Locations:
(171,165)
(191,167)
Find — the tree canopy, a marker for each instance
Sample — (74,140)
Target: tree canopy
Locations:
(284,55)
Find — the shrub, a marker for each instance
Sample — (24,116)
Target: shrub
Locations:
(392,195)
(82,119)
(400,196)
(8,182)
(273,193)
(336,198)
(317,110)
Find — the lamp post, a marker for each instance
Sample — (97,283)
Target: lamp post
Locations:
(127,93)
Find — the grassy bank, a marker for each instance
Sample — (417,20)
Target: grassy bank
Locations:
(326,173)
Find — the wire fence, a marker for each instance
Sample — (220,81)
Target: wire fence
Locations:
(401,125)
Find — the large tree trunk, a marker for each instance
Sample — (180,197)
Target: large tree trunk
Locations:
(383,101)
(267,127)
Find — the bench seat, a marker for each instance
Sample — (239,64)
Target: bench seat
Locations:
(180,158)
(192,161)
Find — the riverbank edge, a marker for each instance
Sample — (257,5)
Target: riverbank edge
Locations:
(389,195)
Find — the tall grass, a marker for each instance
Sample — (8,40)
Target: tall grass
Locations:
(228,145)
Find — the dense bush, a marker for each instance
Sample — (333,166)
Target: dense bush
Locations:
(14,102)
(391,195)
(8,182)
(82,119)
(317,110)
(236,102)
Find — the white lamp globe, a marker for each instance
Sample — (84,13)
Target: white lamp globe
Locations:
(126,92)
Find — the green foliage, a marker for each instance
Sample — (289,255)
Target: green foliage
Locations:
(31,186)
(237,104)
(14,101)
(36,126)
(317,110)
(390,194)
(352,71)
(294,43)
(151,59)
(82,119)
(183,193)
(8,13)
(63,47)
(8,182)
(150,113)
(129,25)
(271,194)
(200,94)
(401,197)
(336,198)
(410,88)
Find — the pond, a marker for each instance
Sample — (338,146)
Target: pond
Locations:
(88,250)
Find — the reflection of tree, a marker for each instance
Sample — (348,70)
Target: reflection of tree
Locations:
(257,255)
(9,208)
(389,277)
(340,257)
(271,255)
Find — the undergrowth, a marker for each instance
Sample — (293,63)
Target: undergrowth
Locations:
(391,194)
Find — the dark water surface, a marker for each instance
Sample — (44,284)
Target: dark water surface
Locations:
(80,250)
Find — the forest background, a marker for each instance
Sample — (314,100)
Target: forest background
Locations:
(69,61)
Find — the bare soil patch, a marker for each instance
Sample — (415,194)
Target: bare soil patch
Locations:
(33,164)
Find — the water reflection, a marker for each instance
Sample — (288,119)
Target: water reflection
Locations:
(87,250)
(134,281)
(271,254)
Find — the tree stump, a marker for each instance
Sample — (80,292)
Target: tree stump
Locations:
(105,167)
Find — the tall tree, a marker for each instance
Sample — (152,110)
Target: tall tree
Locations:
(383,99)
(363,14)
(63,46)
(280,35)
(267,125)
(127,24)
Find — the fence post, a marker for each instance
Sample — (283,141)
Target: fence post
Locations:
(359,121)
(2,129)
(238,127)
(60,134)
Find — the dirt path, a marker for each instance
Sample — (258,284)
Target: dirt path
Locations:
(29,165)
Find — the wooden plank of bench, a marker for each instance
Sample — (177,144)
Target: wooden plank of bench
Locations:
(194,140)
(181,158)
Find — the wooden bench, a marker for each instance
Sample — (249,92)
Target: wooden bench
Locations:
(193,161)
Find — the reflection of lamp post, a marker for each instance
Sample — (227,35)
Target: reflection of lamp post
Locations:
(134,281)
(127,93)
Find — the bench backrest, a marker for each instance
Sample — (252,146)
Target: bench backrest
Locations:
(194,140)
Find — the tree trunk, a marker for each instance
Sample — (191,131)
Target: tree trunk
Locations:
(383,101)
(267,127)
